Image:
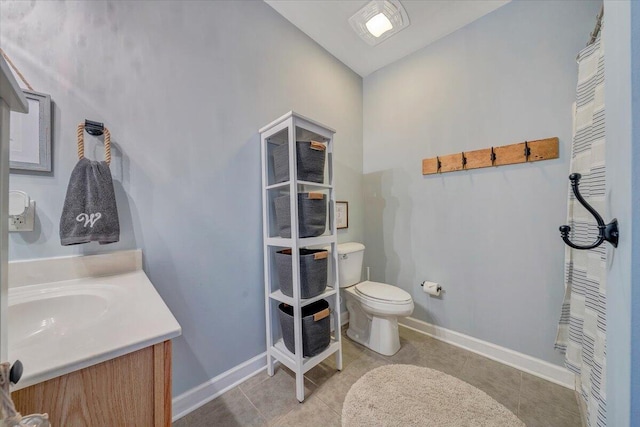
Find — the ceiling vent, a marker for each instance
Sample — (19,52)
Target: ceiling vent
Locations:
(379,20)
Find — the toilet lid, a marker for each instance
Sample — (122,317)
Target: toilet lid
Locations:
(382,292)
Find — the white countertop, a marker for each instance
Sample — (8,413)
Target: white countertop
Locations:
(59,327)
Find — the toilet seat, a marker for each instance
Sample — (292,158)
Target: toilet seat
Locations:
(381,292)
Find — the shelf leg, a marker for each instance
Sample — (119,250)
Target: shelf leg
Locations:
(339,360)
(300,386)
(337,328)
(269,364)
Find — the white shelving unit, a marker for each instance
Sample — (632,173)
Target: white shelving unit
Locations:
(288,129)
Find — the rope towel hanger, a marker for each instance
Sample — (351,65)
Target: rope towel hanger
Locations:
(80,131)
(6,58)
(107,143)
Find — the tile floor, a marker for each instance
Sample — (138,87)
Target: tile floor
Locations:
(265,401)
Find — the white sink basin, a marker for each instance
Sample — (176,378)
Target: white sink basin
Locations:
(45,313)
(57,328)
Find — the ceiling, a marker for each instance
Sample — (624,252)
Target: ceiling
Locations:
(327,22)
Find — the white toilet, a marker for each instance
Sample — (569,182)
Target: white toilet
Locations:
(373,307)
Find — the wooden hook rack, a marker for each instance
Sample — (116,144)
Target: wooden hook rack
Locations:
(522,152)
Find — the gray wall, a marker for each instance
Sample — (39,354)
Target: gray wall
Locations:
(490,236)
(183,87)
(622,32)
(635,216)
(618,159)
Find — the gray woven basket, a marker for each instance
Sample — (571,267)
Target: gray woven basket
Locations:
(313,272)
(316,327)
(281,163)
(312,214)
(310,158)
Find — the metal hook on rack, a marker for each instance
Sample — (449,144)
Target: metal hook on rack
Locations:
(608,232)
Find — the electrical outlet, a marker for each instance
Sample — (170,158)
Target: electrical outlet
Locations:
(24,221)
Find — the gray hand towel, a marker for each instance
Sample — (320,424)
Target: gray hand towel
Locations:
(90,212)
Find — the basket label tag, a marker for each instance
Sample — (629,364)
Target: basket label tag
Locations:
(319,146)
(315,196)
(321,315)
(320,255)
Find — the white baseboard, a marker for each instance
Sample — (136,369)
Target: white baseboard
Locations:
(540,368)
(344,318)
(200,395)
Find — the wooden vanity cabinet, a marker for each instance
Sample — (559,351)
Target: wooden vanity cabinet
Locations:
(130,390)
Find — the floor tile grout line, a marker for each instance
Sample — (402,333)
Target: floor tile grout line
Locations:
(464,365)
(253,386)
(554,404)
(252,404)
(520,393)
(328,406)
(280,418)
(312,381)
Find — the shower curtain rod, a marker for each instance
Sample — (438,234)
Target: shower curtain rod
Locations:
(596,30)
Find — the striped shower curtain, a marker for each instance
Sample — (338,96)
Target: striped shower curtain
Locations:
(583,323)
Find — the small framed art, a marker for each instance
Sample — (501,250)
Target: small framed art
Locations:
(30,138)
(342,215)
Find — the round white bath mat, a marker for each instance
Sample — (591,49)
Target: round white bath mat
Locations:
(407,395)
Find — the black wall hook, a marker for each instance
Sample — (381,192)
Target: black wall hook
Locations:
(93,128)
(608,232)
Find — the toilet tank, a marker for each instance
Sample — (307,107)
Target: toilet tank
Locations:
(350,256)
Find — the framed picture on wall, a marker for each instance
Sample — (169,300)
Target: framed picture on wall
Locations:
(30,137)
(342,215)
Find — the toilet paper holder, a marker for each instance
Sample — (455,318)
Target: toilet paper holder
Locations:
(438,288)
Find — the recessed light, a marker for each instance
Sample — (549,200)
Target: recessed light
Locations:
(378,25)
(379,20)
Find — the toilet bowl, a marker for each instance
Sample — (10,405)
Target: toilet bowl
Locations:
(373,307)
